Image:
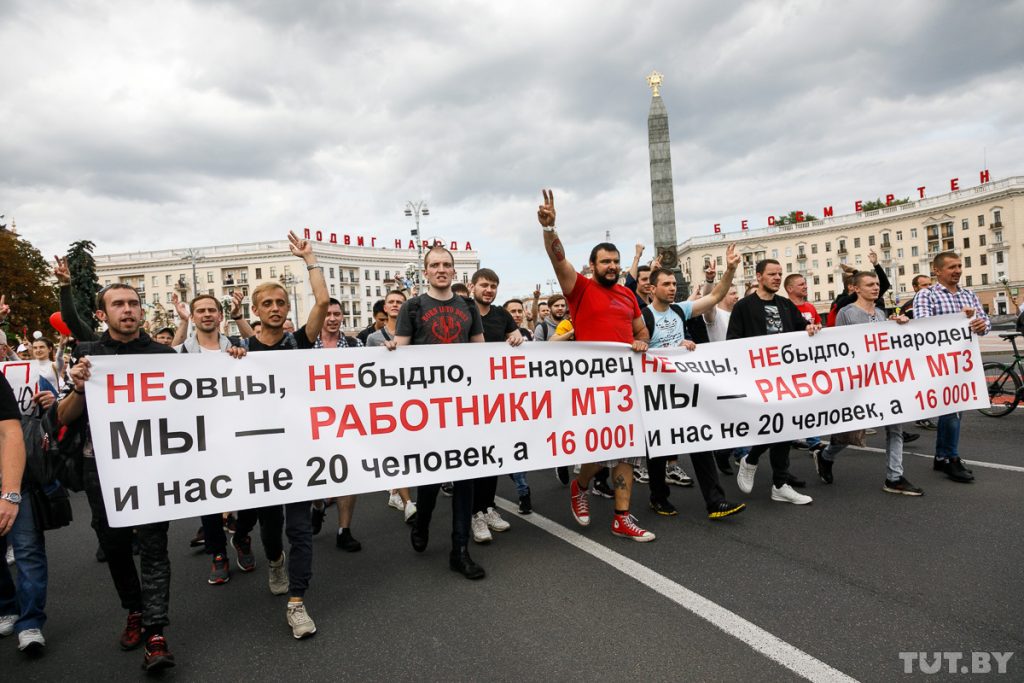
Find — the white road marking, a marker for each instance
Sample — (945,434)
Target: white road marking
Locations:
(776,649)
(970,463)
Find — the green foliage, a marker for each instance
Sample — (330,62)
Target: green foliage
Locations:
(84,283)
(25,282)
(879,203)
(790,218)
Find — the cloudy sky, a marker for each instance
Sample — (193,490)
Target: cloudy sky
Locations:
(187,123)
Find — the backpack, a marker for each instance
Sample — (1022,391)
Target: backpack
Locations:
(648,316)
(52,451)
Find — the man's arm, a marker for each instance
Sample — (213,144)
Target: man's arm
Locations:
(634,268)
(12,466)
(708,302)
(640,335)
(80,329)
(536,306)
(304,250)
(185,315)
(244,329)
(564,271)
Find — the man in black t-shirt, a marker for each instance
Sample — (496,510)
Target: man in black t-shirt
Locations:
(498,327)
(270,302)
(146,597)
(761,313)
(441,317)
(517,309)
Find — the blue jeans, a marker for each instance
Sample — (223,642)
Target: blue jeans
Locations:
(947,437)
(522,488)
(27,599)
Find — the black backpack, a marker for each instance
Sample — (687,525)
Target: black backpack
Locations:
(648,316)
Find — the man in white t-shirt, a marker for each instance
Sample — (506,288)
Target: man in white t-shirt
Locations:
(717,317)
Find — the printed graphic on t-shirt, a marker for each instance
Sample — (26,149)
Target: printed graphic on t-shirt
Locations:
(773,319)
(445,323)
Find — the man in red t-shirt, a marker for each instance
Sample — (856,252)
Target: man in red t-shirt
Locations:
(602,310)
(796,289)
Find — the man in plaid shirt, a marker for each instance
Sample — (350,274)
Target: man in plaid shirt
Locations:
(946,296)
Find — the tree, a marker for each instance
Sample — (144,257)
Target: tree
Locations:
(880,204)
(84,283)
(791,218)
(25,282)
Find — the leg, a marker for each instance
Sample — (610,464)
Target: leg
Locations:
(588,471)
(426,500)
(299,530)
(462,511)
(156,576)
(115,543)
(346,506)
(779,455)
(656,472)
(754,454)
(484,490)
(30,559)
(948,437)
(213,532)
(622,482)
(894,452)
(271,524)
(522,486)
(706,473)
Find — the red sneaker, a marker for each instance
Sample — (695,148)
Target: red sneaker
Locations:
(131,637)
(626,526)
(580,503)
(157,655)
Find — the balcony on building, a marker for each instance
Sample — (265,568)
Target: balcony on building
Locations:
(998,246)
(801,255)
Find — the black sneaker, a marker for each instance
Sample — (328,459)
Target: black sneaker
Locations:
(664,508)
(821,465)
(447,489)
(219,571)
(199,540)
(562,474)
(910,437)
(725,509)
(230,523)
(602,489)
(926,424)
(902,486)
(243,546)
(345,541)
(940,466)
(316,516)
(157,655)
(525,504)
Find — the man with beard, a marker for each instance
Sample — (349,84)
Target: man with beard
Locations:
(548,326)
(120,307)
(602,310)
(439,316)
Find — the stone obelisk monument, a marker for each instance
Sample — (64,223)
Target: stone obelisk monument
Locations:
(663,205)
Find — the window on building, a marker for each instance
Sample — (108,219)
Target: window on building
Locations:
(828,263)
(287,269)
(916,269)
(967,261)
(984,278)
(997,236)
(903,289)
(970,281)
(273,271)
(775,253)
(333,293)
(719,261)
(378,291)
(871,241)
(789,251)
(914,251)
(856,242)
(828,247)
(817,296)
(169,295)
(155,281)
(209,277)
(997,217)
(965,224)
(967,243)
(899,253)
(106,283)
(142,298)
(842,246)
(789,267)
(259,273)
(167,280)
(983,259)
(899,235)
(913,233)
(857,259)
(367,290)
(332,273)
(814,248)
(817,280)
(999,257)
(981,220)
(366,275)
(376,275)
(814,264)
(981,240)
(831,278)
(902,270)
(387,274)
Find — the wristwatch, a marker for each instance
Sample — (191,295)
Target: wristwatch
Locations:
(11,497)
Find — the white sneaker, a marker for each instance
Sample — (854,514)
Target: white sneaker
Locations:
(410,510)
(31,639)
(481,534)
(494,521)
(787,494)
(675,475)
(10,554)
(640,475)
(300,621)
(396,501)
(7,622)
(278,578)
(745,476)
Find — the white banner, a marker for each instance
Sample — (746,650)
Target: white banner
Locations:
(202,433)
(783,387)
(23,376)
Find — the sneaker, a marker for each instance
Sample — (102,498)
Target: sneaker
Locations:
(481,534)
(745,476)
(157,655)
(726,509)
(956,471)
(494,521)
(940,466)
(300,621)
(131,636)
(910,437)
(246,560)
(525,504)
(640,475)
(447,489)
(395,501)
(347,542)
(10,555)
(675,475)
(601,489)
(7,624)
(230,523)
(926,424)
(316,516)
(562,474)
(801,445)
(626,527)
(822,466)
(903,486)
(219,572)
(787,494)
(199,540)
(579,503)
(31,640)
(410,512)
(277,578)
(663,507)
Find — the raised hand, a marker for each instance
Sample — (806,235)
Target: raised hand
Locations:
(61,271)
(5,309)
(300,247)
(639,250)
(732,259)
(181,307)
(236,304)
(873,257)
(546,211)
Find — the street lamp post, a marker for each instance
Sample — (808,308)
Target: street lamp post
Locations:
(291,282)
(193,255)
(415,210)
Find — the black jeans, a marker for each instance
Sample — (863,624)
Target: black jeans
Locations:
(778,454)
(484,490)
(462,507)
(703,470)
(214,538)
(294,518)
(150,595)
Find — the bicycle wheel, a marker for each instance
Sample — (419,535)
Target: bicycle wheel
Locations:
(1003,389)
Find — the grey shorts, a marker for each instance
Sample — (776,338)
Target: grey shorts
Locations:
(635,462)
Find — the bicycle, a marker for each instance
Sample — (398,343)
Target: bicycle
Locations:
(1005,386)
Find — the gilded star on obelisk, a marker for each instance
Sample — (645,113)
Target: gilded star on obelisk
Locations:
(654,81)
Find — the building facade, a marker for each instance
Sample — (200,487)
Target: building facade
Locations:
(983,224)
(357,276)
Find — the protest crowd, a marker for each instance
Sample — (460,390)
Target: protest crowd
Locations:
(633,304)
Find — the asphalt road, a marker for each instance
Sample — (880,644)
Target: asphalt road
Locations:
(848,582)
